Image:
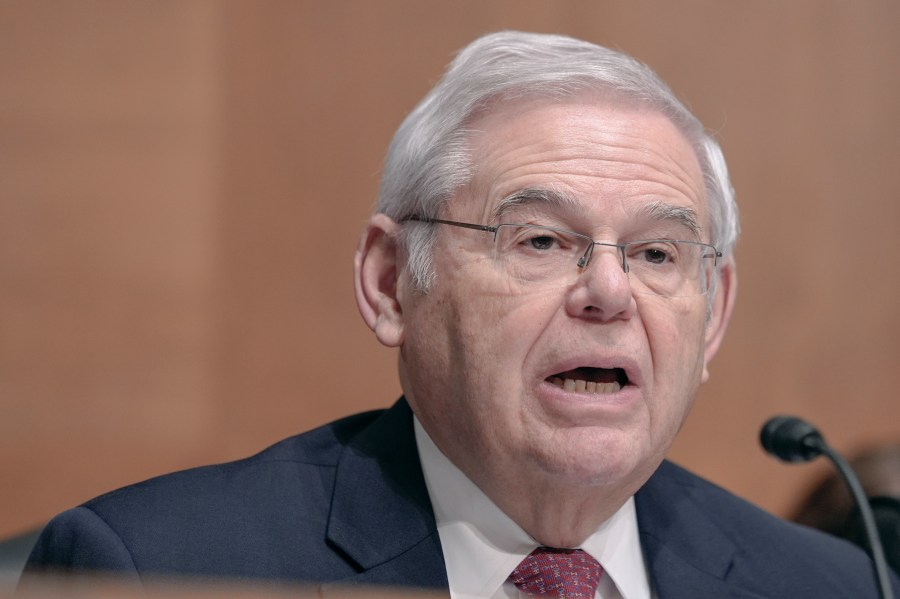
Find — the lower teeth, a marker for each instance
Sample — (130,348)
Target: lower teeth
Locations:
(588,387)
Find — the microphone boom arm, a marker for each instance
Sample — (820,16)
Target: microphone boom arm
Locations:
(792,439)
(876,550)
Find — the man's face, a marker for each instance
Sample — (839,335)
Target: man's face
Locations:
(484,356)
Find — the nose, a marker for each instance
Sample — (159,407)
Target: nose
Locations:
(602,291)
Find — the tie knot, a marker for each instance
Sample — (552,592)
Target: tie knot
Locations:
(563,573)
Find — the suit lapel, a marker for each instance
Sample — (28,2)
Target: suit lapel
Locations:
(381,517)
(687,554)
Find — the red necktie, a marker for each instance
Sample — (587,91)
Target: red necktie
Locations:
(563,573)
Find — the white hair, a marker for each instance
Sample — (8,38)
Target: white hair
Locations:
(428,159)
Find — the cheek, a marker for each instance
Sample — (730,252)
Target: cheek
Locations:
(503,328)
(479,345)
(449,334)
(676,331)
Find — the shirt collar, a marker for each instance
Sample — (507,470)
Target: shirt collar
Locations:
(482,545)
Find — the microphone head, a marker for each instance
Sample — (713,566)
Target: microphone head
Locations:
(791,439)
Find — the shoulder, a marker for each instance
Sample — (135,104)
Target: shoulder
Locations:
(734,515)
(695,517)
(251,517)
(751,526)
(302,461)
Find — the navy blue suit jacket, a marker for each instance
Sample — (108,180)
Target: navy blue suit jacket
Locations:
(347,504)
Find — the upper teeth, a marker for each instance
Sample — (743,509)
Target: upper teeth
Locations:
(582,386)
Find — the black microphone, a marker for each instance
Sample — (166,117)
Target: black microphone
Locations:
(791,439)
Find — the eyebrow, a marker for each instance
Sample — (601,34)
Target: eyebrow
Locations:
(537,195)
(665,212)
(655,211)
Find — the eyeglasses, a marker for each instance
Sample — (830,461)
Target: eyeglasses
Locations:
(545,255)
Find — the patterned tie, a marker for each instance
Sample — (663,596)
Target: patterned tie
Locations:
(563,573)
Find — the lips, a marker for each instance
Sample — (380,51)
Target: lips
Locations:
(590,380)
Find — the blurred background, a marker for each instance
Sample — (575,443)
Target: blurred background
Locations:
(182,184)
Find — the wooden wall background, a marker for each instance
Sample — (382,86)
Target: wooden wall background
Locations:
(182,183)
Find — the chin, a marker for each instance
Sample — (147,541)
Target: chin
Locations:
(604,463)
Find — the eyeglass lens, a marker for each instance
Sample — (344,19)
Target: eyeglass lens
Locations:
(545,255)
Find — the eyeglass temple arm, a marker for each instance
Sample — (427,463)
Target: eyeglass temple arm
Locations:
(716,254)
(422,219)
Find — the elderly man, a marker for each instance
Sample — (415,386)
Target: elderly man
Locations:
(552,255)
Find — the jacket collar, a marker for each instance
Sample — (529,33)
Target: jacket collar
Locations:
(381,516)
(688,555)
(382,520)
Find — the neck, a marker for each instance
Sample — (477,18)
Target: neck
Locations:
(558,517)
(554,510)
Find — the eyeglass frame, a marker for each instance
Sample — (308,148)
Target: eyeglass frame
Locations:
(585,259)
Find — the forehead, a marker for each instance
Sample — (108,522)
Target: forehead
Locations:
(608,158)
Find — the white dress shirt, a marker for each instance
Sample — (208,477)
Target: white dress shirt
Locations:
(482,545)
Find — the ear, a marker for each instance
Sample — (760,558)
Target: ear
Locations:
(376,269)
(722,306)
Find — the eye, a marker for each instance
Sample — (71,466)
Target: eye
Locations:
(655,256)
(541,241)
(531,241)
(655,253)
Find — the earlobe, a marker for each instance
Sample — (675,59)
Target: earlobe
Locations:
(376,269)
(720,315)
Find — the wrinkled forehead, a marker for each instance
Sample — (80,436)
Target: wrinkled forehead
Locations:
(582,156)
(557,208)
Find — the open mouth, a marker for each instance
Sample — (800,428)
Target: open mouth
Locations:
(590,380)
